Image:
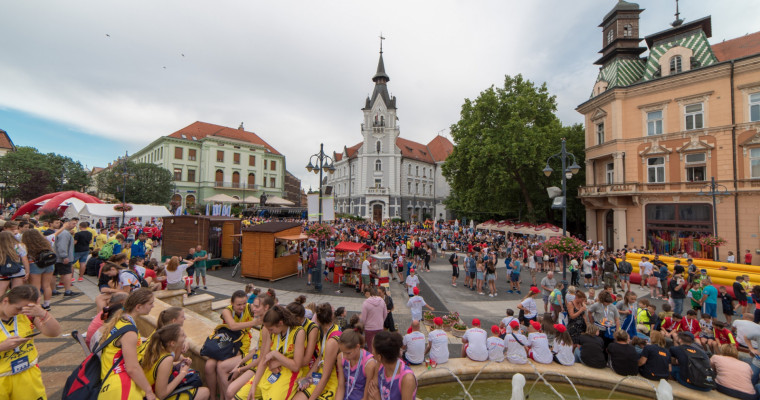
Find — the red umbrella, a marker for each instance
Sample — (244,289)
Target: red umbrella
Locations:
(54,201)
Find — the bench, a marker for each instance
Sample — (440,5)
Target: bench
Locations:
(200,303)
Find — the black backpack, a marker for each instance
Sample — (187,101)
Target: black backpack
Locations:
(84,382)
(451,259)
(699,372)
(222,344)
(45,259)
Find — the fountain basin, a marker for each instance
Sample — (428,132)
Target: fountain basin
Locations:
(582,375)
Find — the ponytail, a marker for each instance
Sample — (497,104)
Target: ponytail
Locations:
(159,344)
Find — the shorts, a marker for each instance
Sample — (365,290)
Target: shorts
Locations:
(710,308)
(35,270)
(365,279)
(200,271)
(62,269)
(300,267)
(244,391)
(625,277)
(284,388)
(120,387)
(479,275)
(472,275)
(515,277)
(587,276)
(490,277)
(455,270)
(743,303)
(176,286)
(23,385)
(81,256)
(545,297)
(328,393)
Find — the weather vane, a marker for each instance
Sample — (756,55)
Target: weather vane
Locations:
(381,42)
(678,20)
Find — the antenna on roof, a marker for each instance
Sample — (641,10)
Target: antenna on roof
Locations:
(678,20)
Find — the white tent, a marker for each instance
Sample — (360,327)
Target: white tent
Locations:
(251,200)
(221,198)
(93,212)
(278,201)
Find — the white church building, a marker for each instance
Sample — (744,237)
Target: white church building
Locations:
(385,176)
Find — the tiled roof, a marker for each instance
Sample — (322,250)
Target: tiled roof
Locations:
(353,150)
(744,46)
(199,130)
(621,72)
(5,141)
(696,41)
(440,148)
(414,150)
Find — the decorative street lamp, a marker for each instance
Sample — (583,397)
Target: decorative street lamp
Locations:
(321,163)
(714,190)
(124,174)
(561,202)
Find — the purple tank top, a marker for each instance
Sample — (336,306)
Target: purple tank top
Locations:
(390,389)
(356,379)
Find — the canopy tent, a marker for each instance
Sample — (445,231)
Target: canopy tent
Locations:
(96,211)
(278,201)
(251,200)
(221,198)
(50,202)
(351,246)
(490,224)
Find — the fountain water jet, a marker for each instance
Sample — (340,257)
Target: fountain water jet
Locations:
(466,392)
(643,380)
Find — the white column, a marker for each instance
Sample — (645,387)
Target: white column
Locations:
(618,165)
(591,226)
(620,230)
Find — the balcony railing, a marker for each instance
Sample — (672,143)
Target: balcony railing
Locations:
(623,189)
(377,190)
(235,185)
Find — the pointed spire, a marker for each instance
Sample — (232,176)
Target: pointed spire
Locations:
(381,76)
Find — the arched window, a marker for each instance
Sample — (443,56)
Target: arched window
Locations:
(627,30)
(675,65)
(236,179)
(189,200)
(377,146)
(219,177)
(378,165)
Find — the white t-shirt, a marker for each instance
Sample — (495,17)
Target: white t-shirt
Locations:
(439,346)
(495,346)
(476,344)
(588,268)
(140,271)
(128,279)
(530,306)
(412,281)
(749,329)
(506,321)
(646,267)
(415,347)
(175,276)
(365,267)
(415,304)
(539,345)
(564,353)
(515,351)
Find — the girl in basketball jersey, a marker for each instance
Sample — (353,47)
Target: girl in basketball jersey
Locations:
(280,367)
(20,376)
(395,380)
(242,376)
(321,381)
(359,367)
(164,348)
(127,380)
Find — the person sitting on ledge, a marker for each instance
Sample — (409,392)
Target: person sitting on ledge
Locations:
(438,343)
(681,354)
(474,343)
(515,343)
(414,345)
(591,349)
(563,346)
(495,345)
(623,357)
(538,344)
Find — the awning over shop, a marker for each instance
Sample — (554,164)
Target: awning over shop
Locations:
(350,246)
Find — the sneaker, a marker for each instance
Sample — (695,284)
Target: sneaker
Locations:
(510,291)
(80,279)
(59,285)
(205,288)
(69,293)
(519,292)
(74,279)
(490,295)
(495,294)
(482,294)
(454,284)
(46,307)
(55,293)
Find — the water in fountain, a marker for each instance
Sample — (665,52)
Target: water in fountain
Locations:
(466,391)
(663,392)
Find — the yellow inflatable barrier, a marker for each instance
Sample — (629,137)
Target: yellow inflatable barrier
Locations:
(718,276)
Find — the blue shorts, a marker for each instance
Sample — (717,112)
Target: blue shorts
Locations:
(710,308)
(515,276)
(35,270)
(625,277)
(479,275)
(81,257)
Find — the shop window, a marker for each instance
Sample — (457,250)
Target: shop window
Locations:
(654,123)
(656,170)
(695,167)
(694,114)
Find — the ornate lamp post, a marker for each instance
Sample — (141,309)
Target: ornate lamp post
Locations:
(124,174)
(318,163)
(567,173)
(714,190)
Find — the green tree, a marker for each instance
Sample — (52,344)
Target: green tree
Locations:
(502,141)
(146,183)
(28,173)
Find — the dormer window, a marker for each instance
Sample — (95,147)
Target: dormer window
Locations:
(628,30)
(675,65)
(610,36)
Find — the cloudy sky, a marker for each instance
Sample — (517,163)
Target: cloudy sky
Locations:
(93,79)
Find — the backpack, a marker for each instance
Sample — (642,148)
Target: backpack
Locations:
(107,251)
(84,382)
(140,279)
(699,372)
(222,344)
(451,259)
(45,259)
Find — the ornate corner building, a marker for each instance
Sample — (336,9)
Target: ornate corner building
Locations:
(660,126)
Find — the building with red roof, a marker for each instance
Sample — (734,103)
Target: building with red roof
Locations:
(386,176)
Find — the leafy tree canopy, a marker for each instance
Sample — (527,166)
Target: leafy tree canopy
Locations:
(502,141)
(27,173)
(146,183)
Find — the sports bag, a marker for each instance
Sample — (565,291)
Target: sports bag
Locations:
(107,250)
(699,372)
(10,267)
(84,382)
(222,344)
(45,259)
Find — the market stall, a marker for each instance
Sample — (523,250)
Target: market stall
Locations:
(348,262)
(270,250)
(213,233)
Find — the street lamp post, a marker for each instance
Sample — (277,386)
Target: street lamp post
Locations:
(715,190)
(567,173)
(322,162)
(124,174)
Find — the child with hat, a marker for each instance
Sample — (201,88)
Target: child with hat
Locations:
(474,342)
(412,281)
(495,345)
(563,346)
(515,343)
(438,343)
(538,344)
(528,305)
(416,303)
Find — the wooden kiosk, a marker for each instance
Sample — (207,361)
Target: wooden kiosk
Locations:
(260,258)
(213,233)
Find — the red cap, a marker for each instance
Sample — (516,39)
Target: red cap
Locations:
(514,324)
(475,322)
(534,290)
(535,325)
(438,321)
(409,330)
(560,328)
(416,290)
(495,329)
(412,270)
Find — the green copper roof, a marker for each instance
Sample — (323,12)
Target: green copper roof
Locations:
(696,41)
(621,72)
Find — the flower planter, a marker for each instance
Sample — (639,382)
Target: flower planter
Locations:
(428,322)
(458,332)
(447,326)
